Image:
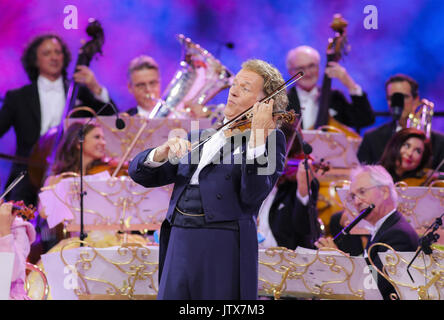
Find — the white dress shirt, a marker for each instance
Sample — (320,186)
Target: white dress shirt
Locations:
(377,226)
(309,102)
(53,100)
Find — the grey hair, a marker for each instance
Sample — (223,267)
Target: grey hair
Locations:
(298,50)
(272,80)
(379,176)
(141,62)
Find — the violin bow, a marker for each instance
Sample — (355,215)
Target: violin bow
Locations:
(283,86)
(13,184)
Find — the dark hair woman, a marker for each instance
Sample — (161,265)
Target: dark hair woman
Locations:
(407,154)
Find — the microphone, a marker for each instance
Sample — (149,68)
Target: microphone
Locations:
(345,232)
(120,124)
(397,105)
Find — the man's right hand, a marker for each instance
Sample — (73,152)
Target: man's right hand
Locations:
(174,147)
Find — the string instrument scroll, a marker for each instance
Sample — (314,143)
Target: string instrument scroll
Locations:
(337,47)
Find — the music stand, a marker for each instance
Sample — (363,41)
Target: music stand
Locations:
(109,204)
(154,132)
(334,147)
(129,271)
(307,273)
(421,206)
(427,272)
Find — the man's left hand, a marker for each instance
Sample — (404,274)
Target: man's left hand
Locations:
(335,70)
(262,123)
(85,76)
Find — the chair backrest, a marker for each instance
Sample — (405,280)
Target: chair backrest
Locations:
(36,284)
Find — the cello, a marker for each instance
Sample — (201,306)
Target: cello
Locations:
(44,151)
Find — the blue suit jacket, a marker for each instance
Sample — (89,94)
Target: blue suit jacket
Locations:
(229,192)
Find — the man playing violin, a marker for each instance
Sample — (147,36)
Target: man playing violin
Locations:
(208,241)
(35,108)
(305,95)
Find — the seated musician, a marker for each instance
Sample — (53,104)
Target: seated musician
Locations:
(16,235)
(67,164)
(375,140)
(305,94)
(34,108)
(144,84)
(374,185)
(284,218)
(405,157)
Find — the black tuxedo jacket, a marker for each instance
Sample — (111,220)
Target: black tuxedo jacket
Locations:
(357,114)
(290,221)
(21,111)
(132,111)
(400,235)
(374,142)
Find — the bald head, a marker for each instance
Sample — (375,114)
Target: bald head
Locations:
(306,59)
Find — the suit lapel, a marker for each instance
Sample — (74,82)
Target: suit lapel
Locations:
(33,100)
(393,219)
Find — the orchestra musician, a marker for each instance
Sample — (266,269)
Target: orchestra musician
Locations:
(34,108)
(372,184)
(16,235)
(306,93)
(375,140)
(406,158)
(144,84)
(284,217)
(67,164)
(208,241)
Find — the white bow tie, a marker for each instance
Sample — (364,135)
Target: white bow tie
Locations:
(47,85)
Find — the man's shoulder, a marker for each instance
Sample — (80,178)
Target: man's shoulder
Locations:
(23,90)
(132,111)
(381,129)
(438,136)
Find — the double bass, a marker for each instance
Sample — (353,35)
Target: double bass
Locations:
(337,47)
(44,151)
(328,201)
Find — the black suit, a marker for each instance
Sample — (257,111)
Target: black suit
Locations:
(290,221)
(21,110)
(375,140)
(400,235)
(132,111)
(356,114)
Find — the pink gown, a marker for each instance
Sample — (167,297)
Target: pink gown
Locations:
(18,241)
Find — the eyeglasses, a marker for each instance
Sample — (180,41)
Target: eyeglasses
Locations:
(360,194)
(308,68)
(142,85)
(406,96)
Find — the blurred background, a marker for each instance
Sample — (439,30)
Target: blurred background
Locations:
(408,39)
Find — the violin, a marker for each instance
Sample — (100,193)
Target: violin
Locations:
(21,210)
(293,164)
(243,120)
(427,177)
(110,166)
(244,123)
